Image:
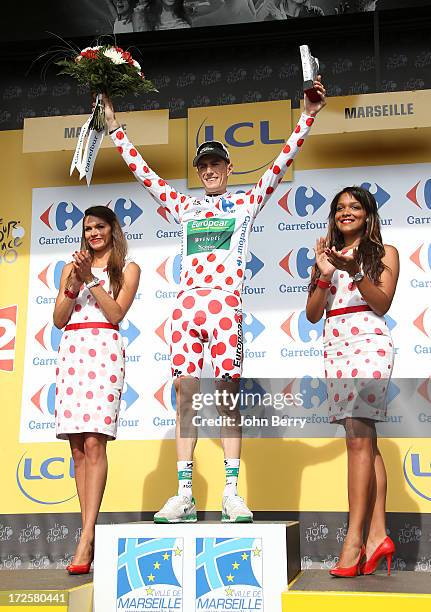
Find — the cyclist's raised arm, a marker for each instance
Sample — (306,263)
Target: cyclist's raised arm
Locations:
(165,195)
(262,191)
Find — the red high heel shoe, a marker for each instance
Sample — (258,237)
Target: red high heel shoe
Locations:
(348,572)
(84,568)
(386,548)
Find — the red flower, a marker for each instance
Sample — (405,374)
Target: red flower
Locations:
(90,54)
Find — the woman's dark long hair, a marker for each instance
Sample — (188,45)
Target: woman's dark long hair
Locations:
(153,12)
(128,17)
(117,257)
(370,251)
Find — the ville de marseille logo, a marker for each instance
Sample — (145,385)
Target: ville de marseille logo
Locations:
(150,574)
(229,570)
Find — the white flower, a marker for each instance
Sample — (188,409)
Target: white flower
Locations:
(114,56)
(136,65)
(91,48)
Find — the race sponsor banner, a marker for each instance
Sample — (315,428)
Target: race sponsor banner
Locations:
(279,341)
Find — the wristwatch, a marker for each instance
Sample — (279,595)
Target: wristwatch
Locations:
(356,278)
(93,283)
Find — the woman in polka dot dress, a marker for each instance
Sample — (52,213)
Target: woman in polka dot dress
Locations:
(96,291)
(354,280)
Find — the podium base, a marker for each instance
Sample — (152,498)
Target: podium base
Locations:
(50,590)
(317,590)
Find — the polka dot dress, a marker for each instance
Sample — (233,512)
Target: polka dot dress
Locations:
(90,372)
(358,355)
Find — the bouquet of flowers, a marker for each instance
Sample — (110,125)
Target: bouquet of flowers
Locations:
(106,69)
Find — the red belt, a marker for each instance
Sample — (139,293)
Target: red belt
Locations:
(99,324)
(347,310)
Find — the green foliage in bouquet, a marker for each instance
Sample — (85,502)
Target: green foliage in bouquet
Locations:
(107,69)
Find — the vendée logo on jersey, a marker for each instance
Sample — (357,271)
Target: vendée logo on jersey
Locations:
(421,257)
(46,480)
(298,327)
(302,201)
(8,324)
(417,469)
(298,263)
(420,194)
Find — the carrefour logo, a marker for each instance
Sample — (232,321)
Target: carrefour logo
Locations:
(423,322)
(417,469)
(254,265)
(50,276)
(170,269)
(251,327)
(302,201)
(381,195)
(298,262)
(127,210)
(167,398)
(128,397)
(420,194)
(299,328)
(46,480)
(49,337)
(313,391)
(44,399)
(421,257)
(424,390)
(64,216)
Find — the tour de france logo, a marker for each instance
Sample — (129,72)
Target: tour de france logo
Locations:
(150,574)
(229,569)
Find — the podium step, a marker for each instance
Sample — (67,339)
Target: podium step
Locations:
(399,592)
(191,567)
(50,590)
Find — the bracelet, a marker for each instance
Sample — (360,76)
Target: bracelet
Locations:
(323,284)
(70,294)
(93,283)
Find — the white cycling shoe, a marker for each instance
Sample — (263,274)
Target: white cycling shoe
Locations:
(234,510)
(178,509)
